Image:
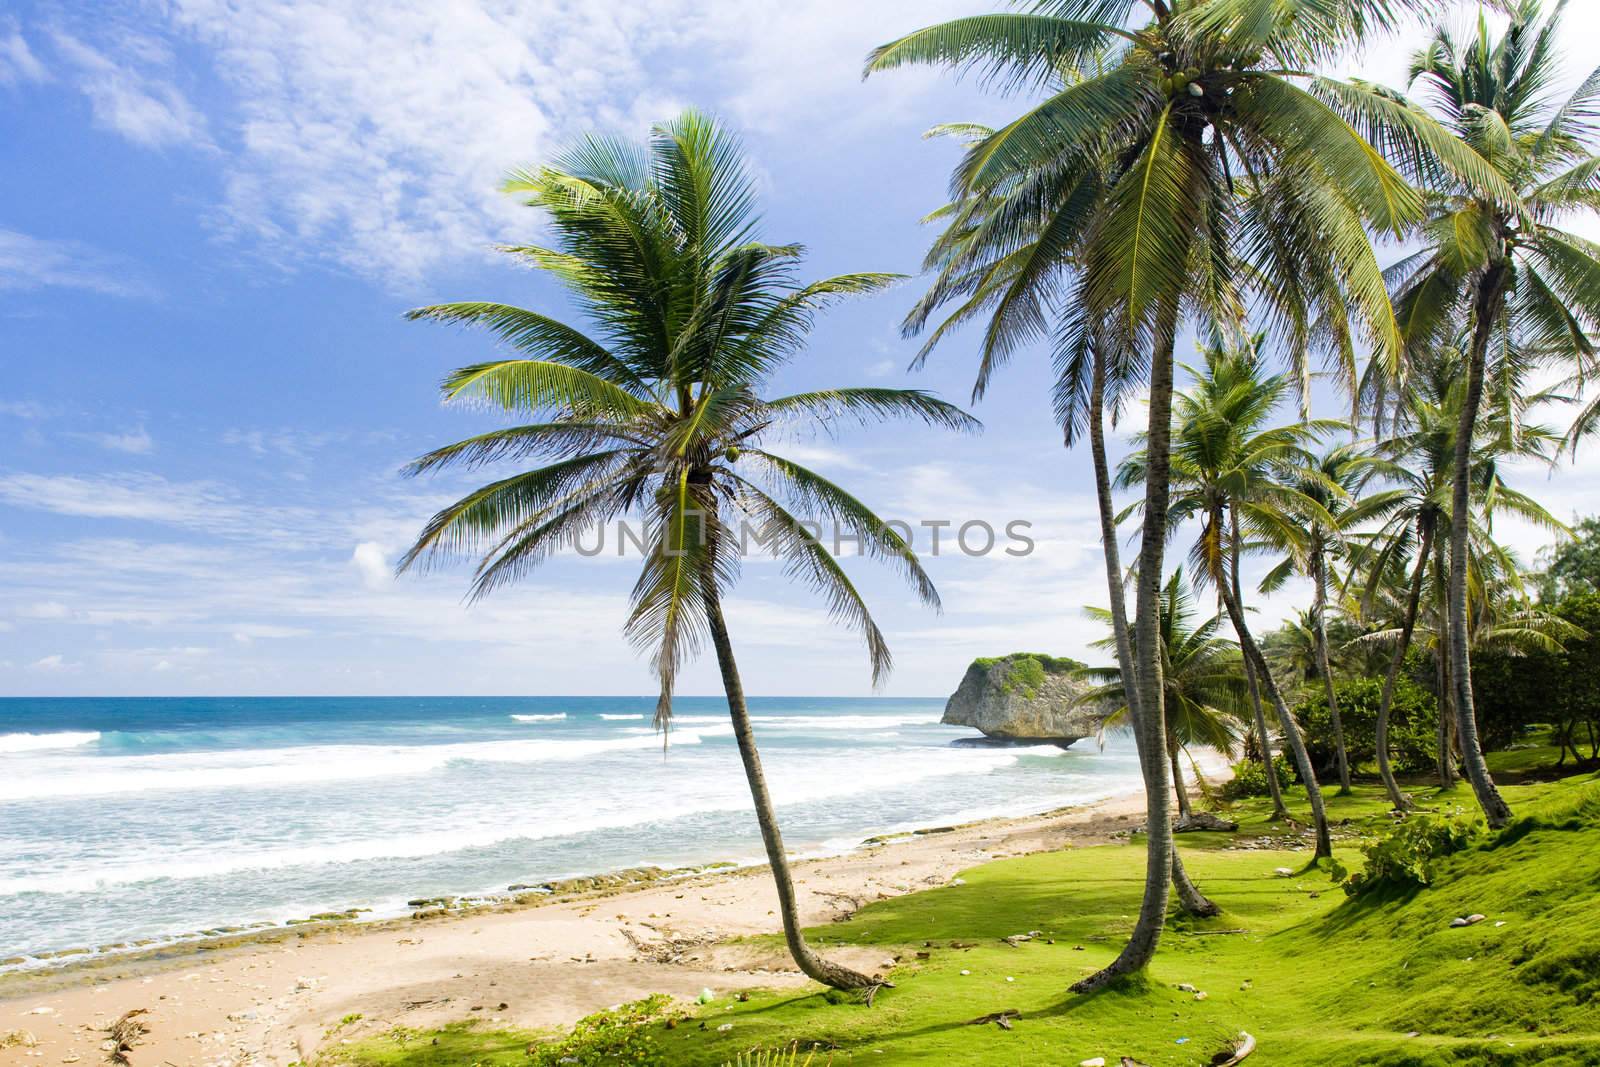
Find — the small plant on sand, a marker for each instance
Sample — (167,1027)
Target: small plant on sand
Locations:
(611,1037)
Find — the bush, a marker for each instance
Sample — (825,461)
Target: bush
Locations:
(606,1038)
(1404,856)
(1250,778)
(1413,721)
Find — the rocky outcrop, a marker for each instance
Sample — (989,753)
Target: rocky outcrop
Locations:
(1026,697)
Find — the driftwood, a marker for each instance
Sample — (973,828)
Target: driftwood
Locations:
(1001,1019)
(123,1035)
(666,950)
(1204,820)
(1226,1058)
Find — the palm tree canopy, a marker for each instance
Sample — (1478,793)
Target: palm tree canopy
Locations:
(1229,459)
(1202,674)
(1183,165)
(655,407)
(1495,95)
(1416,462)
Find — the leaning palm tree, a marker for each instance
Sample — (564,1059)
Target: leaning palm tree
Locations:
(1227,460)
(1496,257)
(658,413)
(1176,167)
(1203,687)
(1390,565)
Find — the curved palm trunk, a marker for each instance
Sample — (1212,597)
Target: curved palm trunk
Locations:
(1319,613)
(1279,812)
(1190,898)
(814,966)
(1149,720)
(1490,300)
(1291,731)
(1396,661)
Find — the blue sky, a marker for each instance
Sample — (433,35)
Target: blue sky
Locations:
(212,215)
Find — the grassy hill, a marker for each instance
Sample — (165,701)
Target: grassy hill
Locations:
(1317,977)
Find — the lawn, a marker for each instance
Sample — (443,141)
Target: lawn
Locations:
(1316,977)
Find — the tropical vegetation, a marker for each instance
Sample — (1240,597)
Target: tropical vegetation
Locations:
(657,410)
(1180,175)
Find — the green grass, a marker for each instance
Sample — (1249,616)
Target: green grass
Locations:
(1318,978)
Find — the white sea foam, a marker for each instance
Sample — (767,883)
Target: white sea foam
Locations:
(39,742)
(603,715)
(855,723)
(849,776)
(253,768)
(843,722)
(541,718)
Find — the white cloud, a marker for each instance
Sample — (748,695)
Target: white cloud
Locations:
(17,61)
(51,663)
(373,564)
(28,262)
(22,409)
(134,442)
(135,103)
(376,135)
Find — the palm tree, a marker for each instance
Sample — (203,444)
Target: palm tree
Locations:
(1124,183)
(1203,688)
(1331,484)
(659,413)
(1417,461)
(1228,463)
(1495,255)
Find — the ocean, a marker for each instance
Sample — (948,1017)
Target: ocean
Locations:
(126,820)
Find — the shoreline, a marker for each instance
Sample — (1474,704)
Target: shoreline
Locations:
(274,996)
(515,896)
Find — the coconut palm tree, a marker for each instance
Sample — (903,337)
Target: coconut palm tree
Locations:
(1203,687)
(1227,461)
(656,411)
(1176,166)
(1331,483)
(1390,565)
(1496,255)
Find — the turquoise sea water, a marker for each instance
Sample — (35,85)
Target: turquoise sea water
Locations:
(124,819)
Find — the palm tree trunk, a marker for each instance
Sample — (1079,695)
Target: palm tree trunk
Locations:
(813,965)
(1279,812)
(1319,613)
(1441,664)
(1143,649)
(1396,661)
(1184,810)
(1490,300)
(1190,898)
(1291,731)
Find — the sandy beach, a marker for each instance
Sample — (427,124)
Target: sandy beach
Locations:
(279,999)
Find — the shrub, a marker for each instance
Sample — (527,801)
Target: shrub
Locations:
(1250,778)
(1413,720)
(1404,856)
(607,1038)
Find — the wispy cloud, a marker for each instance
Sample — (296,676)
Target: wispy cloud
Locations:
(134,442)
(28,262)
(131,98)
(17,61)
(24,409)
(375,135)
